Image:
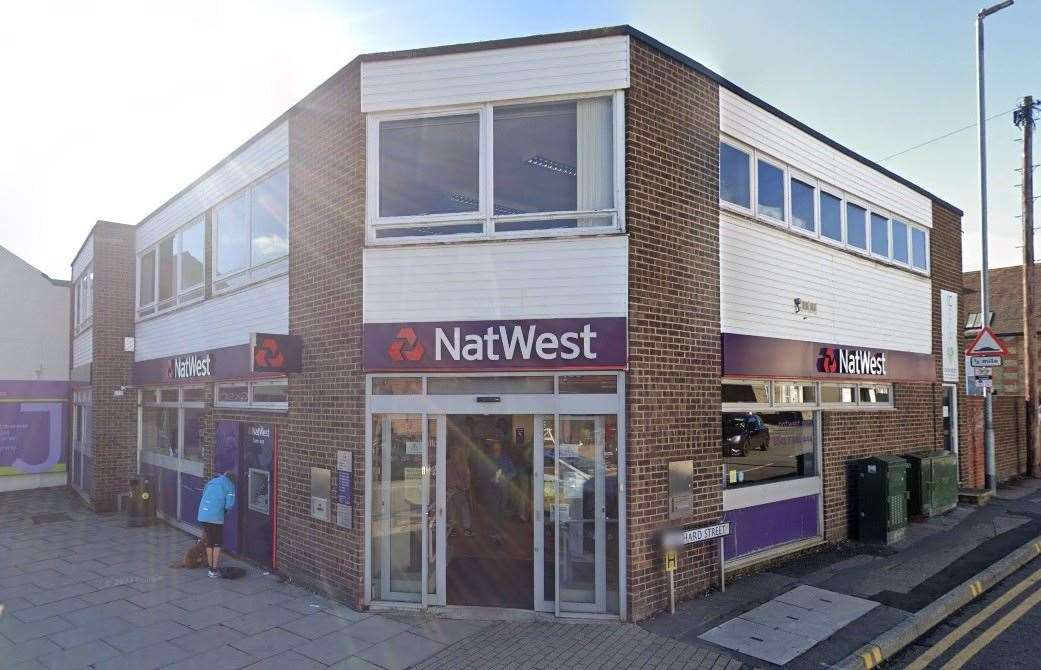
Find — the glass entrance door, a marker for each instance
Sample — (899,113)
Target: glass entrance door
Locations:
(408,509)
(577,539)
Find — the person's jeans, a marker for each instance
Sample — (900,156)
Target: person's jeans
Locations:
(459,506)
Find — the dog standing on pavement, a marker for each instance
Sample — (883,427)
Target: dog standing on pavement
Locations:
(194,557)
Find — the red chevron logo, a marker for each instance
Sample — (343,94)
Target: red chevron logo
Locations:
(406,346)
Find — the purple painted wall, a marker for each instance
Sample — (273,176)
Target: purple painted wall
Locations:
(33,436)
(38,390)
(191,494)
(760,527)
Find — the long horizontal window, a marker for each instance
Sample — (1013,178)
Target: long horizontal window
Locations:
(251,232)
(804,204)
(742,394)
(172,272)
(519,168)
(269,394)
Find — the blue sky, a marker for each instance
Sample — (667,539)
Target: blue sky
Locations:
(121,104)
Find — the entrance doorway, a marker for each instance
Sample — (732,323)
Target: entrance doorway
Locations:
(517,507)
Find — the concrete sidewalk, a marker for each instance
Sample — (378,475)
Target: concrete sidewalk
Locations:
(814,611)
(80,590)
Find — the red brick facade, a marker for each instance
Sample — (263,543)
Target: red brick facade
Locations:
(114,436)
(327,399)
(1010,440)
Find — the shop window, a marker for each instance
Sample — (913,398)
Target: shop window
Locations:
(762,447)
(397,385)
(899,241)
(856,226)
(770,190)
(588,384)
(193,395)
(919,251)
(171,272)
(169,395)
(251,232)
(838,394)
(160,432)
(489,385)
(735,176)
(879,235)
(803,196)
(268,395)
(193,431)
(876,394)
(746,392)
(831,216)
(549,166)
(794,393)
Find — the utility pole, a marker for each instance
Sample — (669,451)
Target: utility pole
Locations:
(981,124)
(1024,118)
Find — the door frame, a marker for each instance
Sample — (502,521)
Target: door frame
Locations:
(553,405)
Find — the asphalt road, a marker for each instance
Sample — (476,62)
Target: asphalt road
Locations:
(1001,629)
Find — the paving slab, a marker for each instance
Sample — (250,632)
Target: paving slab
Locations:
(150,658)
(314,626)
(94,630)
(208,638)
(263,619)
(220,658)
(138,638)
(268,643)
(333,647)
(401,651)
(376,629)
(204,618)
(30,649)
(78,657)
(40,612)
(289,659)
(759,641)
(17,631)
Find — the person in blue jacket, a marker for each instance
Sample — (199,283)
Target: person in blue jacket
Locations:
(217,498)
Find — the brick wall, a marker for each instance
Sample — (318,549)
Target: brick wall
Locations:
(672,216)
(327,399)
(115,418)
(1010,441)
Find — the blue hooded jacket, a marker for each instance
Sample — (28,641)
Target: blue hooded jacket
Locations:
(217,498)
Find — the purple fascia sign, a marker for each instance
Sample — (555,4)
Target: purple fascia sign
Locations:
(598,343)
(31,438)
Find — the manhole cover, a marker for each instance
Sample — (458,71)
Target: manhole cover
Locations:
(50,517)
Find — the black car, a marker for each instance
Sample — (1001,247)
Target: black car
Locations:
(743,432)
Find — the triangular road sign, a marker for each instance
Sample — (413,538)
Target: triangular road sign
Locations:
(987,344)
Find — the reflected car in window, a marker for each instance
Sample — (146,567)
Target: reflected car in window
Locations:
(744,432)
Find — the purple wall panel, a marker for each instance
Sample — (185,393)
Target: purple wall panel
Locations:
(760,527)
(191,494)
(40,390)
(88,473)
(167,492)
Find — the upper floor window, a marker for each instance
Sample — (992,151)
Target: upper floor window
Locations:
(251,232)
(172,272)
(83,300)
(516,169)
(784,196)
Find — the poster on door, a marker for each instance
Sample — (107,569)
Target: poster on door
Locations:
(32,438)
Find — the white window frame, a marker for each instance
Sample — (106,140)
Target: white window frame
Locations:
(485,214)
(249,404)
(181,297)
(773,404)
(83,296)
(892,242)
(251,273)
(750,152)
(813,183)
(785,209)
(845,199)
(888,255)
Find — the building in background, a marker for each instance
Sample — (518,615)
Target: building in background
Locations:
(34,376)
(470,337)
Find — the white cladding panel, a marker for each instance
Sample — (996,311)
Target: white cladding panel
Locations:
(223,321)
(84,258)
(577,277)
(762,130)
(83,348)
(559,68)
(261,156)
(859,302)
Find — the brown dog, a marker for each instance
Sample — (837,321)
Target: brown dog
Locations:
(193,557)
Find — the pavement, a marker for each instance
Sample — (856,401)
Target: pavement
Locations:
(816,610)
(82,590)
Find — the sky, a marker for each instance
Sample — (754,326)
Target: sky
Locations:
(112,107)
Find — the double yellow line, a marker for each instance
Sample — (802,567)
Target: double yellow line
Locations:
(987,636)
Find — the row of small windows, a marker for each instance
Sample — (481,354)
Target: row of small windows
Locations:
(806,205)
(250,237)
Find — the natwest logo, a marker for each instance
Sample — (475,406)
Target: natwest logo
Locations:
(838,360)
(522,344)
(406,346)
(187,367)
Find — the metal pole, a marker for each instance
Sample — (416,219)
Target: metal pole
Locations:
(981,111)
(722,569)
(1025,117)
(672,592)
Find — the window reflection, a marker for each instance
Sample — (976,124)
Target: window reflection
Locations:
(760,447)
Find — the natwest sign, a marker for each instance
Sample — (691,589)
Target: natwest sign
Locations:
(594,343)
(191,366)
(843,361)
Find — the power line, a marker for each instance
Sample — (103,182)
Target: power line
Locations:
(945,136)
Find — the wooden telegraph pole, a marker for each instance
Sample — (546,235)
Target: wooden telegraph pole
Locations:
(1024,118)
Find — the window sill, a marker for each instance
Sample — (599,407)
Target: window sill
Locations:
(251,277)
(251,408)
(170,310)
(751,495)
(556,234)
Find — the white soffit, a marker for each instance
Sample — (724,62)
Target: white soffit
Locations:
(557,68)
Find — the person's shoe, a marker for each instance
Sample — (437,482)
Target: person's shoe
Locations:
(213,574)
(468,533)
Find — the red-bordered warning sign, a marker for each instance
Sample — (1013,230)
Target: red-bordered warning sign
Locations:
(987,344)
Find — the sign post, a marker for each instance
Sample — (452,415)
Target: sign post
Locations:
(987,344)
(673,539)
